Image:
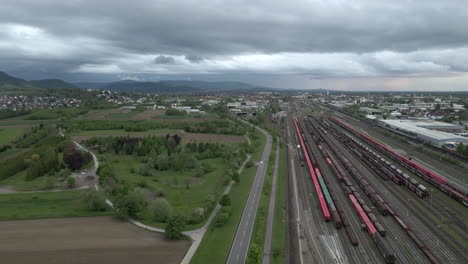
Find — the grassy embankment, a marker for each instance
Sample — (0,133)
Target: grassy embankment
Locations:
(216,243)
(278,243)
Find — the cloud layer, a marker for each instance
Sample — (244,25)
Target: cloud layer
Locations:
(317,39)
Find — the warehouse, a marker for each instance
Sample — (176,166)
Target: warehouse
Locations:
(421,130)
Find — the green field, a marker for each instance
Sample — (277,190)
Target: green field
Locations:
(44,205)
(27,122)
(121,131)
(217,241)
(9,134)
(19,183)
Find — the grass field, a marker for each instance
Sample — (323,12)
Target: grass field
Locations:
(120,131)
(27,122)
(44,205)
(19,183)
(216,243)
(278,242)
(7,135)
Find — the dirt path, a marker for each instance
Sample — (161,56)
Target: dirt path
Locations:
(85,240)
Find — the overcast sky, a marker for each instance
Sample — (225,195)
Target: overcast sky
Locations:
(335,44)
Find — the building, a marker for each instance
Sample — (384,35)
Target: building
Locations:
(424,130)
(370,111)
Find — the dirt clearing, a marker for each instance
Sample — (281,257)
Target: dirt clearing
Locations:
(85,240)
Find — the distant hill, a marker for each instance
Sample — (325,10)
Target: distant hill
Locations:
(12,85)
(174,87)
(51,83)
(8,82)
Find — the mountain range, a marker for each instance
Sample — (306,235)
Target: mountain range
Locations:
(10,84)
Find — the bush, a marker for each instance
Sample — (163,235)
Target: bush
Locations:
(174,226)
(71,182)
(49,183)
(221,219)
(249,164)
(225,200)
(94,200)
(254,254)
(161,210)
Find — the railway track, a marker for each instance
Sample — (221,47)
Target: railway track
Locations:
(394,230)
(455,251)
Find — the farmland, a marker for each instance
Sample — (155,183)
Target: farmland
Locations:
(85,240)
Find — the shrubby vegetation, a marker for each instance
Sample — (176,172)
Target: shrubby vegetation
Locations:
(175,112)
(36,134)
(33,157)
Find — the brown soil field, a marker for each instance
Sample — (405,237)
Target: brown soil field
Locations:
(213,137)
(200,137)
(85,240)
(146,115)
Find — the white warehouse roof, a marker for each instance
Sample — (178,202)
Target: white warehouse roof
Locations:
(418,128)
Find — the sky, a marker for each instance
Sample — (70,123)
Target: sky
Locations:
(398,45)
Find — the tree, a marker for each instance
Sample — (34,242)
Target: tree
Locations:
(94,200)
(174,226)
(254,254)
(235,177)
(161,210)
(225,200)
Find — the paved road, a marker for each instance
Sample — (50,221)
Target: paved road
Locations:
(240,246)
(271,210)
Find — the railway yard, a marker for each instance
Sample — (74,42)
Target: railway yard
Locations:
(354,199)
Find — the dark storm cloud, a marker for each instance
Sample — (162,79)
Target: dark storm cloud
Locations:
(161,59)
(194,58)
(304,37)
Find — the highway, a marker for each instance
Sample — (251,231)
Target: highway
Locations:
(240,246)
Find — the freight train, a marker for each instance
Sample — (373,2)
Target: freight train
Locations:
(450,188)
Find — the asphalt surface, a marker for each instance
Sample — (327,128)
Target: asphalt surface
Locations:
(240,246)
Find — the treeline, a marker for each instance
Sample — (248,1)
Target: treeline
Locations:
(151,145)
(32,137)
(19,163)
(9,113)
(212,126)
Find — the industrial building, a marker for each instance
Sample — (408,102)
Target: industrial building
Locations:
(425,130)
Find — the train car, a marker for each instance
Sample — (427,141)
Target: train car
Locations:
(385,250)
